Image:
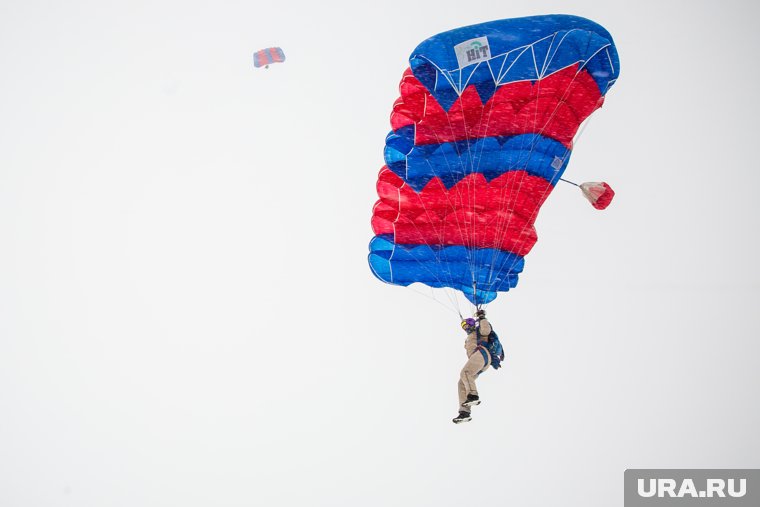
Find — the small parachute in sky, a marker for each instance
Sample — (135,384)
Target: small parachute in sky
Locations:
(266,56)
(599,194)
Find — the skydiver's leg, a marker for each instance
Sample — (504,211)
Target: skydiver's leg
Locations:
(462,397)
(474,365)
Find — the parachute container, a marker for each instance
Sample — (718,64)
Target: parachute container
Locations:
(482,131)
(266,56)
(598,194)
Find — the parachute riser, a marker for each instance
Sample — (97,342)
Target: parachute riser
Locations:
(568,181)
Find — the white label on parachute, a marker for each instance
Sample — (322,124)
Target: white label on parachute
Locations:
(472,51)
(557,163)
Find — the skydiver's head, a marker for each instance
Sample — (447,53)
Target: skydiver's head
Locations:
(469,325)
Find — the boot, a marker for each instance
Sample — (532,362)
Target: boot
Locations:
(462,417)
(472,399)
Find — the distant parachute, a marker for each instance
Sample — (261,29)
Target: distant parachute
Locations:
(482,131)
(266,56)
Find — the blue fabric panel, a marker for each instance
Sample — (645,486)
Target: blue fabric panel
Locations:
(521,49)
(491,156)
(448,266)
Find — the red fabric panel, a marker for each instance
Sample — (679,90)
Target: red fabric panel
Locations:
(553,106)
(474,213)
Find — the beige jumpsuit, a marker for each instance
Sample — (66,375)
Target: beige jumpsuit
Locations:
(477,363)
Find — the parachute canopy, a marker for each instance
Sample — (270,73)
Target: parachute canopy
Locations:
(481,133)
(266,56)
(598,194)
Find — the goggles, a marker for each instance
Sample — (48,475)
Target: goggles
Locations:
(468,324)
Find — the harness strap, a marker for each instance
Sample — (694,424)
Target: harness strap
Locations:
(486,358)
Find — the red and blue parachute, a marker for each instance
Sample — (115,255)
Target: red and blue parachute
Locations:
(264,57)
(482,132)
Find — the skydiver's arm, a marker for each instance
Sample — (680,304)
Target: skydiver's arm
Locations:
(485,327)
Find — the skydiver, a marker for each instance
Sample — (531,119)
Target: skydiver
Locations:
(483,350)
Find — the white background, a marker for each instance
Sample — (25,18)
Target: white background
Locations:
(187,317)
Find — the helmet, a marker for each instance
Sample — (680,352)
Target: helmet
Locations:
(469,325)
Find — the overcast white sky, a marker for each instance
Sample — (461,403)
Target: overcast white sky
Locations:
(186,312)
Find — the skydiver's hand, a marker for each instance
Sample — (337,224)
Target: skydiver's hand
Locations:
(480,314)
